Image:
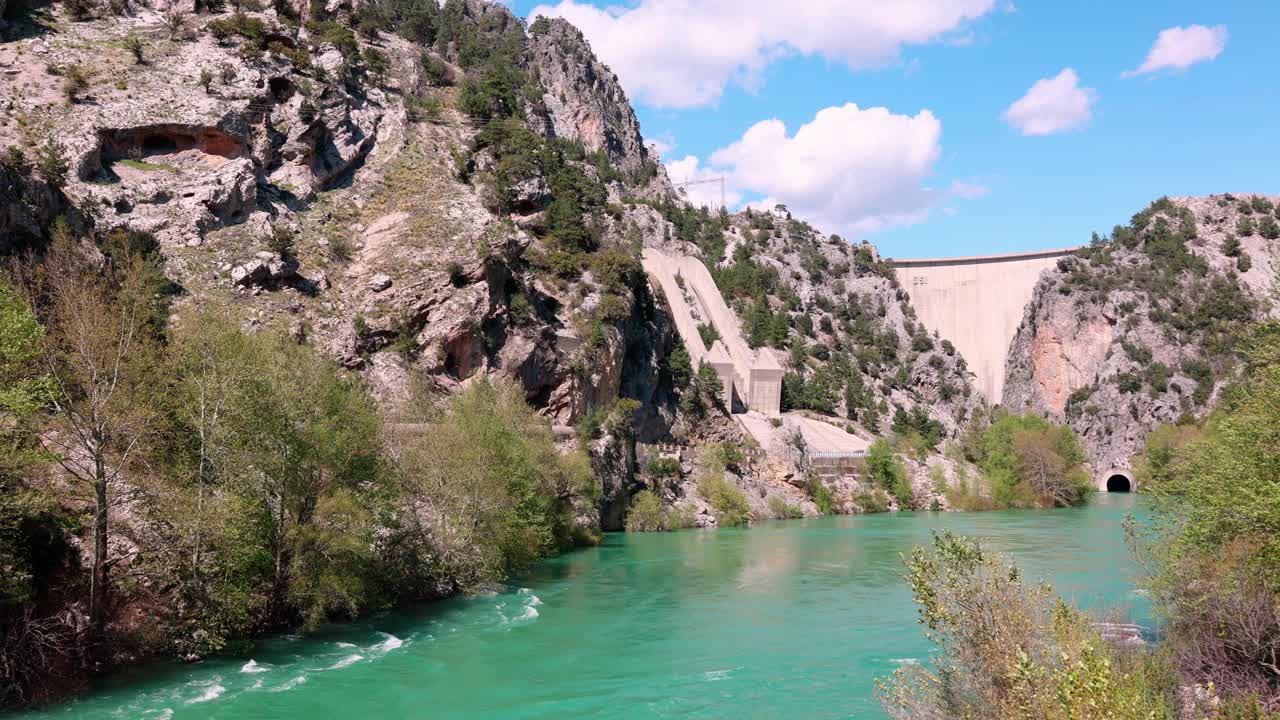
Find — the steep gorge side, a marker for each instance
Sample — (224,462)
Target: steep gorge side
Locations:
(1137,329)
(466,198)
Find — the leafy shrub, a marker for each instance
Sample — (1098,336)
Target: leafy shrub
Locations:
(782,510)
(873,501)
(1268,228)
(1030,462)
(520,310)
(887,472)
(75,81)
(377,63)
(51,164)
(457,276)
(249,28)
(647,514)
(1128,382)
(281,242)
(663,468)
(823,497)
(135,46)
(725,498)
(420,107)
(79,9)
(436,70)
(1009,649)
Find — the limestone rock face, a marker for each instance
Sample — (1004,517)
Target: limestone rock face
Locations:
(584,99)
(27,206)
(1115,342)
(613,464)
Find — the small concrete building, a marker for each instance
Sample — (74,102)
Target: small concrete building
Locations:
(765,379)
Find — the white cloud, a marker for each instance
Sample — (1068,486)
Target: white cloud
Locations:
(1052,105)
(849,170)
(682,53)
(1179,48)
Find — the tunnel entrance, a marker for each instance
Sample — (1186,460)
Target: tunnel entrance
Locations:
(1119,484)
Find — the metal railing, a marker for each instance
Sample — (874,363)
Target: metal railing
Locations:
(851,455)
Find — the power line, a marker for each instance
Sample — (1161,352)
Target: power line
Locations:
(686,184)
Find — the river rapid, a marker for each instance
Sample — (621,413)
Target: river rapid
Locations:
(790,619)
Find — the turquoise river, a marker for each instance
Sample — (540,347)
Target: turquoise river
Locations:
(790,620)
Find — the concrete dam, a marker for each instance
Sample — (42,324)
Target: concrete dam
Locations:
(977,304)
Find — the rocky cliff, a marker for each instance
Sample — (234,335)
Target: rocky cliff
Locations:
(583,99)
(433,194)
(1137,329)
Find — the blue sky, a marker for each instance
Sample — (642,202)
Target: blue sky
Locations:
(928,163)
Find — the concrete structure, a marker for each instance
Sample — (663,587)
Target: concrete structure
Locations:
(753,379)
(977,304)
(822,439)
(1119,479)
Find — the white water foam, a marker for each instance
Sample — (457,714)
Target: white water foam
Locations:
(717,675)
(529,613)
(345,644)
(211,692)
(391,643)
(905,661)
(528,608)
(253,667)
(346,662)
(161,714)
(291,684)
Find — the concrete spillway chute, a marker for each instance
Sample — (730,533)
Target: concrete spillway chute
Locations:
(754,377)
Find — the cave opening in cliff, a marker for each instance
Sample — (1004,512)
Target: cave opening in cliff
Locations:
(1119,484)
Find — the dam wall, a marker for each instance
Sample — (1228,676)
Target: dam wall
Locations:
(977,304)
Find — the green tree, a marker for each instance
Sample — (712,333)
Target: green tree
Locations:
(681,368)
(486,490)
(1226,484)
(98,351)
(27,520)
(307,440)
(1268,228)
(888,472)
(1029,461)
(1213,545)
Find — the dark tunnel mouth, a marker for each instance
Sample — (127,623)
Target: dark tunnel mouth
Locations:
(1119,483)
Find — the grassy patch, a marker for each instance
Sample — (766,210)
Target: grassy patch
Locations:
(148,167)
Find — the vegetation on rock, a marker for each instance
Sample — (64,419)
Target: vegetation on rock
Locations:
(1028,461)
